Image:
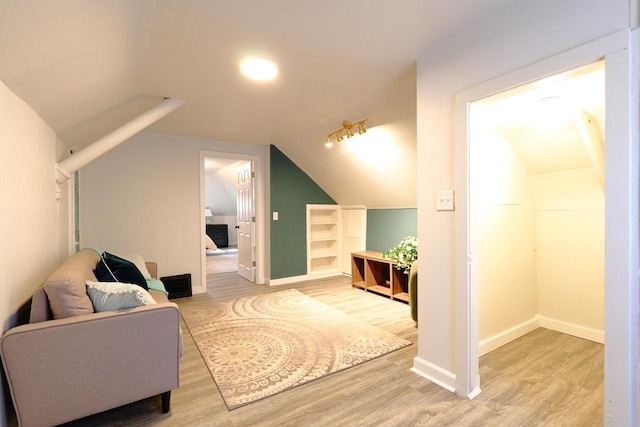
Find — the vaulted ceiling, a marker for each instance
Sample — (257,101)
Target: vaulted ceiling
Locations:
(88,66)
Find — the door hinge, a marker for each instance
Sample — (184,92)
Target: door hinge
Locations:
(253,219)
(253,264)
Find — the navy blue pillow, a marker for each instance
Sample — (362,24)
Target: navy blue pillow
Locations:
(112,268)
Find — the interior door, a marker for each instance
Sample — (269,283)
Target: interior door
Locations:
(354,235)
(246,222)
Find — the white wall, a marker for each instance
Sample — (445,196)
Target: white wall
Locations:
(538,245)
(503,238)
(521,34)
(570,236)
(220,194)
(28,208)
(144,197)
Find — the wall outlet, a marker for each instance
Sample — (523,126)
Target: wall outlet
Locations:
(445,200)
(275,216)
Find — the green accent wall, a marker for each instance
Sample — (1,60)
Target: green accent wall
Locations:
(387,227)
(291,191)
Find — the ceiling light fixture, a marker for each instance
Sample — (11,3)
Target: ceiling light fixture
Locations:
(259,68)
(347,127)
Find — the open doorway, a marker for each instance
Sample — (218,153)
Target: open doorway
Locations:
(227,245)
(537,208)
(221,217)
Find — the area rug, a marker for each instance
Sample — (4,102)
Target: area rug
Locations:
(261,345)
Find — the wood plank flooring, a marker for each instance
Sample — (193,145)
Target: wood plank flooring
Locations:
(543,379)
(225,263)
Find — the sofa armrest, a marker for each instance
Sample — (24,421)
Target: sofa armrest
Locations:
(152,268)
(64,369)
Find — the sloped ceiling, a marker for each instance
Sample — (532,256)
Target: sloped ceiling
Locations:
(539,119)
(220,185)
(87,66)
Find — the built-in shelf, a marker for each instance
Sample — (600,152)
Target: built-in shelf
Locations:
(374,273)
(323,240)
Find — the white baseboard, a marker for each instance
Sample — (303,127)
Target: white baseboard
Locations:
(294,279)
(287,280)
(507,336)
(516,332)
(435,374)
(571,329)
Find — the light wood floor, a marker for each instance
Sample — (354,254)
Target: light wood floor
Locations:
(543,379)
(225,263)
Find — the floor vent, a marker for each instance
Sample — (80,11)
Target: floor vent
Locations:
(178,286)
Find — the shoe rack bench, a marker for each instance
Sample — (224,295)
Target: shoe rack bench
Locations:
(372,272)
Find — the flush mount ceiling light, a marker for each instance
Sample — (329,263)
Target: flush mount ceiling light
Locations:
(347,127)
(259,68)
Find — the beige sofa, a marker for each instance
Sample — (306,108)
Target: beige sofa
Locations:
(70,362)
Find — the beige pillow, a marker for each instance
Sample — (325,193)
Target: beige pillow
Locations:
(66,287)
(210,243)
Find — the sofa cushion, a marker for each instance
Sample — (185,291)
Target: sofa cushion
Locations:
(112,268)
(110,296)
(66,289)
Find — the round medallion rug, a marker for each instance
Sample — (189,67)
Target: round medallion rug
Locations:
(261,345)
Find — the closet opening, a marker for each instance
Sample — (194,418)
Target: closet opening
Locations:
(620,212)
(536,220)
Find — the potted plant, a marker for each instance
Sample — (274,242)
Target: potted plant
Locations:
(404,254)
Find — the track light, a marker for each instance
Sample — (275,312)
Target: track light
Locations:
(347,127)
(361,128)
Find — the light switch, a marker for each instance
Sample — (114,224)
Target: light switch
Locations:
(275,216)
(444,200)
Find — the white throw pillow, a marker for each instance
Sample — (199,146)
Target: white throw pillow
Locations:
(110,296)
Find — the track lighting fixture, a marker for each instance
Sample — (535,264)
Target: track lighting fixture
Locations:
(347,127)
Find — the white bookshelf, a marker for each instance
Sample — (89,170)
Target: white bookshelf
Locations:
(324,246)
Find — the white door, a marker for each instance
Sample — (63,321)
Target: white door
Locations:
(246,222)
(354,235)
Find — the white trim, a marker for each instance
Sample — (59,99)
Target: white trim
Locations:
(467,305)
(621,218)
(571,329)
(569,60)
(288,280)
(621,239)
(71,218)
(434,373)
(509,335)
(302,278)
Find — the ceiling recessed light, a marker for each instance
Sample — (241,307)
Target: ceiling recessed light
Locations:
(259,68)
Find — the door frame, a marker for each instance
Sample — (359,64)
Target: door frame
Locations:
(621,220)
(259,210)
